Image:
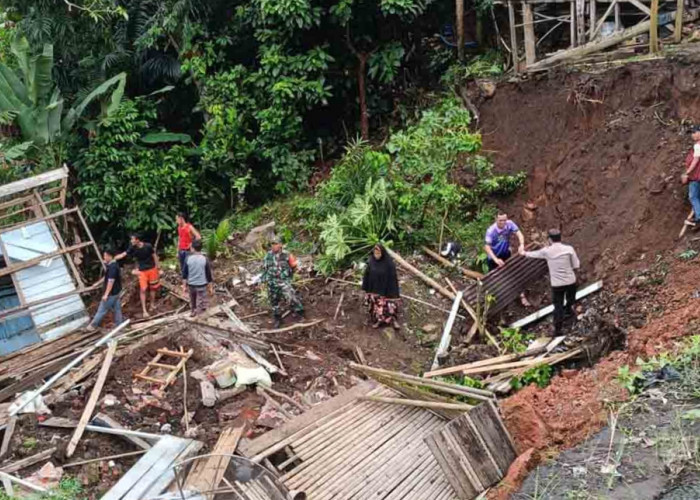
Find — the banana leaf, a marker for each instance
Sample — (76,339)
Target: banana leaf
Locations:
(17,86)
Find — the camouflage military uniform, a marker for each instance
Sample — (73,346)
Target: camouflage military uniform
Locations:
(277,273)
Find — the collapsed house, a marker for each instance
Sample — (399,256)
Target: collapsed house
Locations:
(41,243)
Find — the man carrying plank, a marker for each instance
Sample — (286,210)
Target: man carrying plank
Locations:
(562,262)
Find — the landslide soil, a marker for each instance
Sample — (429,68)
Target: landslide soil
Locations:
(603,153)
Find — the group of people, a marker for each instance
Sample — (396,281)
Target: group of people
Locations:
(381,285)
(194,267)
(196,272)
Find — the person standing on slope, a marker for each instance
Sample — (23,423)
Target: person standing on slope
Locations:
(691,176)
(562,262)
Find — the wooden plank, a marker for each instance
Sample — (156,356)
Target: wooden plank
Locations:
(654,27)
(207,477)
(680,5)
(7,436)
(618,21)
(640,6)
(488,427)
(139,478)
(593,18)
(10,269)
(168,478)
(513,37)
(481,460)
(529,34)
(92,401)
(107,421)
(86,228)
(314,415)
(484,362)
(176,354)
(460,458)
(60,422)
(33,182)
(30,380)
(464,489)
(29,461)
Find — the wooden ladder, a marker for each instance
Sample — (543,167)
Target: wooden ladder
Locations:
(174,369)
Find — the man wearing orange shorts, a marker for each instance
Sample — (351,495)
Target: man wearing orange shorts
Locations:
(149,272)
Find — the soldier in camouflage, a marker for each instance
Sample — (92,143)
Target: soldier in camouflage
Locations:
(278,268)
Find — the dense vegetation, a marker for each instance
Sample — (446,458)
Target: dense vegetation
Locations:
(217,107)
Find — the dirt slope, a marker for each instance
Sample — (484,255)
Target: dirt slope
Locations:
(603,155)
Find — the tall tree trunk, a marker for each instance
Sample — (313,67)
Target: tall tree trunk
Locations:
(362,93)
(459,7)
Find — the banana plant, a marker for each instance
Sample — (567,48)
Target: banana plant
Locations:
(31,96)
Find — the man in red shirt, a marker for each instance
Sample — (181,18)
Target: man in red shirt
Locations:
(691,176)
(185,234)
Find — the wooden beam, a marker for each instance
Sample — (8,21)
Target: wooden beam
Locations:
(7,436)
(459,8)
(29,461)
(618,21)
(442,260)
(580,22)
(8,312)
(680,4)
(599,45)
(572,24)
(602,19)
(654,27)
(513,36)
(89,233)
(10,269)
(529,33)
(432,405)
(92,402)
(59,237)
(593,17)
(641,6)
(426,279)
(33,182)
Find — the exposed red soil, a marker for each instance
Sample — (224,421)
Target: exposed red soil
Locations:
(603,154)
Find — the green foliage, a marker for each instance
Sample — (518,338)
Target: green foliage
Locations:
(255,119)
(29,443)
(539,375)
(514,340)
(490,64)
(31,97)
(367,221)
(165,137)
(404,192)
(632,381)
(689,254)
(215,241)
(124,186)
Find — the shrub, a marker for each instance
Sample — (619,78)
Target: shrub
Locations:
(406,191)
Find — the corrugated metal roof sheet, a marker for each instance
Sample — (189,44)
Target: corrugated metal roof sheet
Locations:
(49,278)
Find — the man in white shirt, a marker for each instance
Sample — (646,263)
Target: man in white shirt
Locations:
(562,262)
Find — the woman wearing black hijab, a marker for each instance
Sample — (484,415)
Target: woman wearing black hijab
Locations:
(382,288)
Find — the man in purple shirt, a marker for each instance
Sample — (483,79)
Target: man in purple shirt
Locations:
(497,240)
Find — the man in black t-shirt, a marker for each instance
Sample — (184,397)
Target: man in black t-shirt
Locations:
(110,292)
(149,274)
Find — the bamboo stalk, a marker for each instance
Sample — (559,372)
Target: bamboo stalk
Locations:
(420,404)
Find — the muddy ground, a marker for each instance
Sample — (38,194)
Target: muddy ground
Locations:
(602,153)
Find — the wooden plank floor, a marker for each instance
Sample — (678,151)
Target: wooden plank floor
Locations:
(370,451)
